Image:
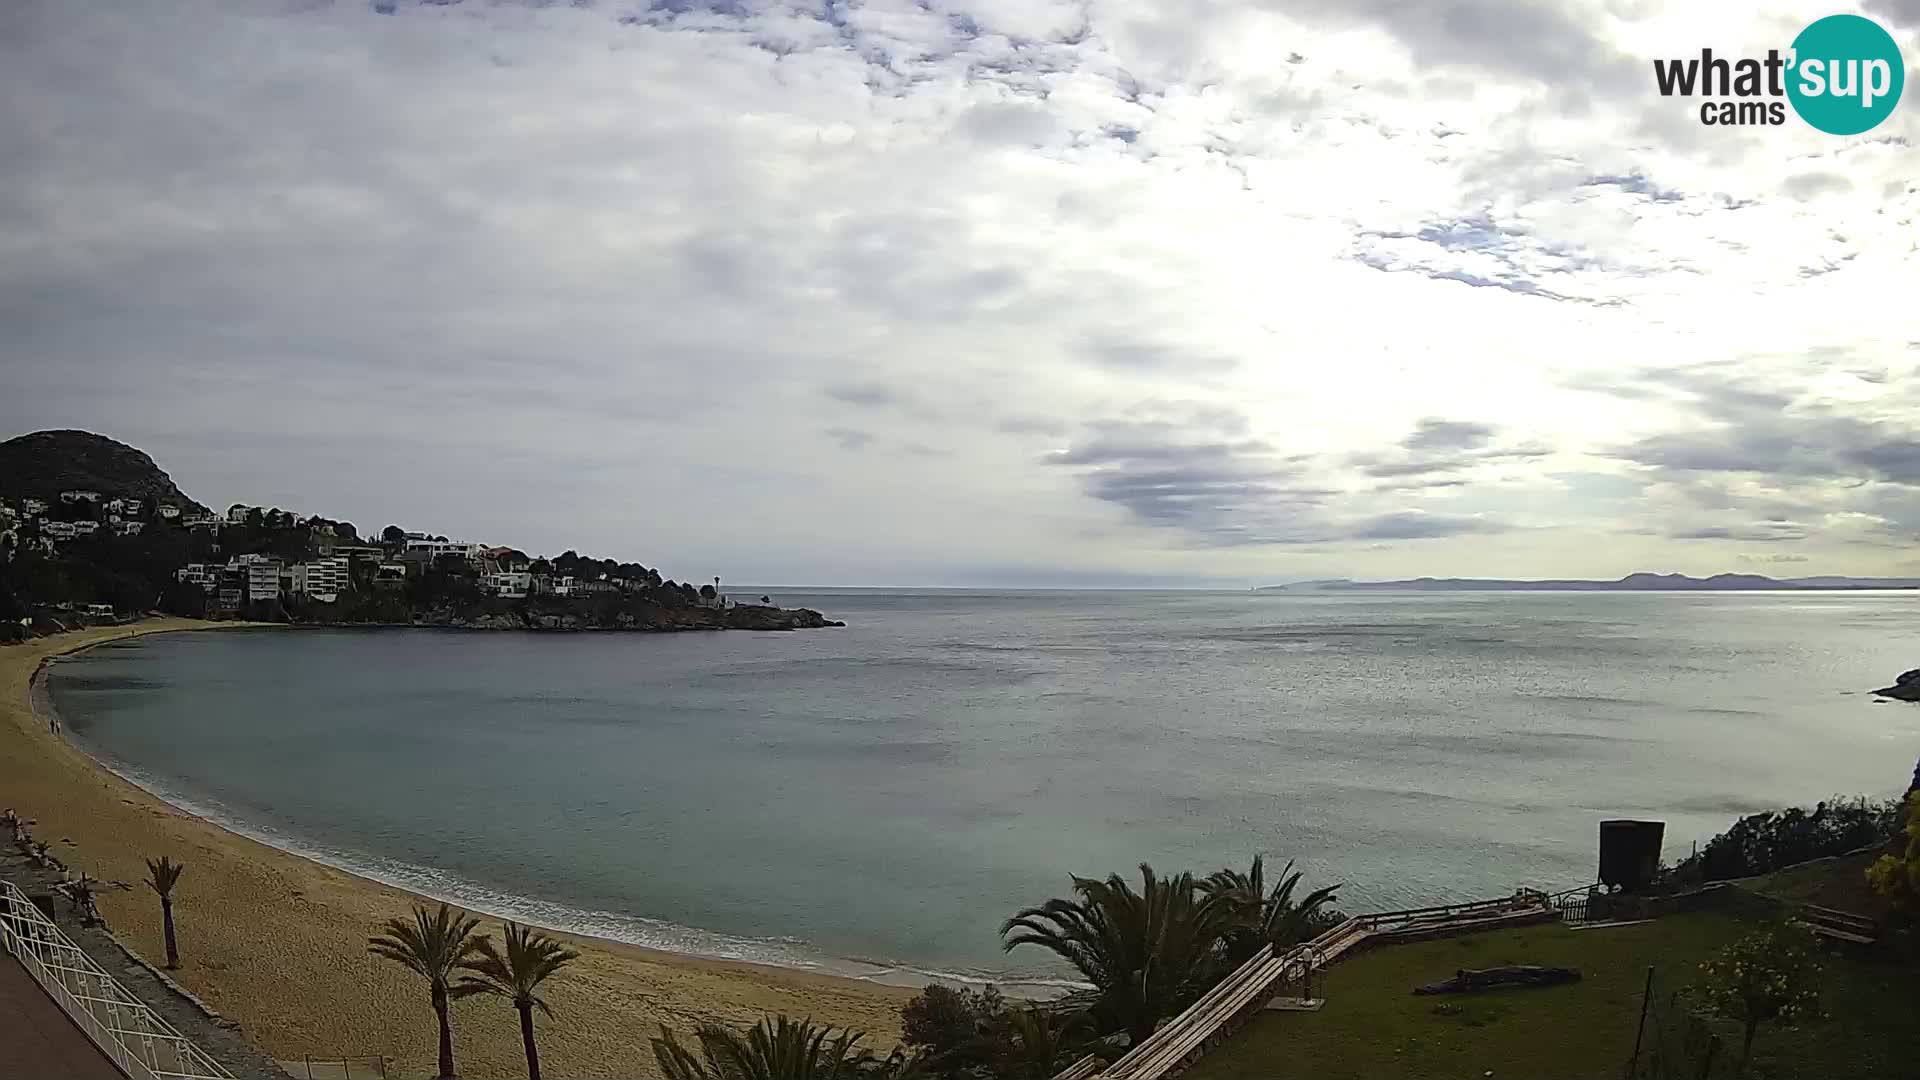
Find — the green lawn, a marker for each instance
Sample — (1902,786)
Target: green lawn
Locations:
(1373,1026)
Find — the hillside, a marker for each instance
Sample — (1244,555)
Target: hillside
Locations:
(45,463)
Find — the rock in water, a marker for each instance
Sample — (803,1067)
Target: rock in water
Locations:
(1904,688)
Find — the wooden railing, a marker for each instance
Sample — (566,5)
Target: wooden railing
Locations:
(1235,998)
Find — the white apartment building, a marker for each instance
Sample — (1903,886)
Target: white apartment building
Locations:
(263,576)
(205,575)
(323,579)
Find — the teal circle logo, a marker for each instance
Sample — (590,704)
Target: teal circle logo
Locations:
(1846,74)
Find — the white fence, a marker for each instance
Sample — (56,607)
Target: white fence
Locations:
(145,1046)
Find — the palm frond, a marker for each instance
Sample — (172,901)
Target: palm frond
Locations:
(777,1048)
(434,944)
(163,874)
(515,973)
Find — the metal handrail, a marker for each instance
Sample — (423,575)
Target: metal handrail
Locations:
(126,1029)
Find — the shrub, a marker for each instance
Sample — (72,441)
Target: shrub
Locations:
(1762,843)
(1897,876)
(949,1022)
(1766,978)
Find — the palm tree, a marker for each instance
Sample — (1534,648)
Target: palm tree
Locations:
(1148,954)
(162,875)
(1039,1042)
(434,945)
(530,959)
(1265,916)
(774,1049)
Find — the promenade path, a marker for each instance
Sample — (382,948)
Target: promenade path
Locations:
(37,1039)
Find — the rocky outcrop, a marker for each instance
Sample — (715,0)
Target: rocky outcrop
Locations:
(1904,688)
(772,618)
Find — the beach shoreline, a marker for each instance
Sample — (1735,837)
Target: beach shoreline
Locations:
(276,941)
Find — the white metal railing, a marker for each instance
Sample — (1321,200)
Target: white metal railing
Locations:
(125,1028)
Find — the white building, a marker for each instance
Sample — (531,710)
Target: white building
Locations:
(31,507)
(132,507)
(58,530)
(205,575)
(323,579)
(433,549)
(237,513)
(79,496)
(169,512)
(512,584)
(262,573)
(128,528)
(85,528)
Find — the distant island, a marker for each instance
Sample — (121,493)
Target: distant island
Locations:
(1641,582)
(93,529)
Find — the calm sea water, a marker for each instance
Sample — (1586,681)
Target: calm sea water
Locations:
(877,799)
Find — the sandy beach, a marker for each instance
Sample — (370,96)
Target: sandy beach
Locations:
(277,943)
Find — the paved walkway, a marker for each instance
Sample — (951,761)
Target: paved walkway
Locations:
(37,1039)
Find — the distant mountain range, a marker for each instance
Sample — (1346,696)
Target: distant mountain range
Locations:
(1642,582)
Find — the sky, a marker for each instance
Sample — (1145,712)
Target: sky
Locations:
(975,292)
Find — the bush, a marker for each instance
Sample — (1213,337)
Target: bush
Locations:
(947,1022)
(1762,843)
(1897,877)
(1766,978)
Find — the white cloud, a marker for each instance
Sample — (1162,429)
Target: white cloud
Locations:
(834,291)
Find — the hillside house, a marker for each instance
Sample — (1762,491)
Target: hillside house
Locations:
(509,585)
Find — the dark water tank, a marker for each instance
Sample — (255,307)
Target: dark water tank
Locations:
(1630,852)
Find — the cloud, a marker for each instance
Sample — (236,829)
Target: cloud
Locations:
(1419,525)
(866,395)
(1165,291)
(850,438)
(1437,451)
(1434,434)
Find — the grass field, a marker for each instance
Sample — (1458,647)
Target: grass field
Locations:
(1373,1026)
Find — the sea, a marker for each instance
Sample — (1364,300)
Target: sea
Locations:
(877,800)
